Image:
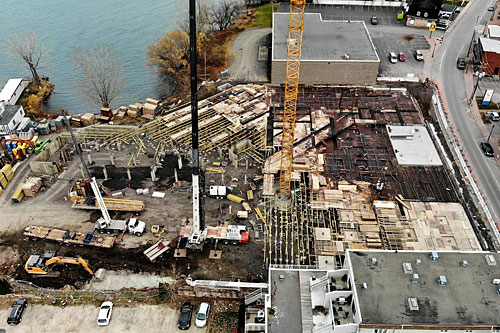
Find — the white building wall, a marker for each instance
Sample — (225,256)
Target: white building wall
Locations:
(381,3)
(371,330)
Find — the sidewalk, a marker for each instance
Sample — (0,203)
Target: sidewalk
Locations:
(435,43)
(469,87)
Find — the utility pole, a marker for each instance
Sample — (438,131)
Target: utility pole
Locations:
(488,140)
(78,149)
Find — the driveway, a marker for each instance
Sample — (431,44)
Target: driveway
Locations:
(248,65)
(83,318)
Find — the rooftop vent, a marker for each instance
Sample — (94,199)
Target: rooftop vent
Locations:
(434,256)
(442,281)
(347,56)
(496,281)
(490,259)
(418,262)
(464,263)
(413,303)
(365,286)
(415,278)
(407,268)
(374,261)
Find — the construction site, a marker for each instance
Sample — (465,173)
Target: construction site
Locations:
(366,174)
(215,193)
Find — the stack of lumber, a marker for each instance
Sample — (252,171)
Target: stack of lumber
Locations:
(122,112)
(88,119)
(149,108)
(134,110)
(32,186)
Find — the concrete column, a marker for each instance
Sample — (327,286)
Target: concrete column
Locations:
(112,158)
(175,175)
(180,162)
(222,177)
(89,158)
(105,173)
(246,164)
(153,174)
(245,178)
(128,174)
(119,146)
(97,147)
(220,153)
(230,209)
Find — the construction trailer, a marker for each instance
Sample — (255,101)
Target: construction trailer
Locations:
(67,237)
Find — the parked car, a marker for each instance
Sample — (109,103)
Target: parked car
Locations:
(487,148)
(461,63)
(418,55)
(393,58)
(491,8)
(185,316)
(202,316)
(493,115)
(374,20)
(401,57)
(105,313)
(16,312)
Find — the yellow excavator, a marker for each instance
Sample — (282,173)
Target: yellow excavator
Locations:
(41,265)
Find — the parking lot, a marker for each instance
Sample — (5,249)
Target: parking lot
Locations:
(389,35)
(83,318)
(386,15)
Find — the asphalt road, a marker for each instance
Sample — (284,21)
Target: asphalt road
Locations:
(456,42)
(246,65)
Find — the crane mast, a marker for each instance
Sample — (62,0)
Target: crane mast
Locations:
(295,30)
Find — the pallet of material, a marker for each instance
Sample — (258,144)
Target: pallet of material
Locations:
(132,113)
(152,101)
(68,237)
(88,119)
(369,228)
(32,186)
(112,204)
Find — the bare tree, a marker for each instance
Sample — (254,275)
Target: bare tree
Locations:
(101,79)
(28,48)
(203,22)
(223,13)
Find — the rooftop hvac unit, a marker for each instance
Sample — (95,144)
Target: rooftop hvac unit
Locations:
(407,268)
(341,300)
(434,256)
(261,314)
(418,262)
(415,278)
(442,281)
(490,259)
(413,303)
(374,261)
(464,263)
(496,281)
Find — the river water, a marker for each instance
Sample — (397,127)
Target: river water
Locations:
(128,27)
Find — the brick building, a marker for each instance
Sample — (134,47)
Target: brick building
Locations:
(487,56)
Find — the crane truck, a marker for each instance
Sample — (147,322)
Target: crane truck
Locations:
(41,265)
(107,225)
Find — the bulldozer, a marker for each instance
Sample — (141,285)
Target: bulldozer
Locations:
(41,265)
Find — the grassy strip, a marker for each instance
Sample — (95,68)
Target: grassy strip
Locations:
(264,16)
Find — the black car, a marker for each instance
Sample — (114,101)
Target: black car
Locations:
(185,317)
(374,20)
(461,63)
(487,148)
(16,312)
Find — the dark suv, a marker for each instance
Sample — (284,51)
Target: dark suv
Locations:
(185,317)
(16,312)
(461,63)
(487,149)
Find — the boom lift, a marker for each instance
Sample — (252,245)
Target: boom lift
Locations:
(295,30)
(42,264)
(106,224)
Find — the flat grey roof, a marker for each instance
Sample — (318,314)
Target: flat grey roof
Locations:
(412,145)
(286,301)
(8,114)
(324,40)
(469,298)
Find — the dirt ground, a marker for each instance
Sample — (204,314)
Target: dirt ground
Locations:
(49,208)
(144,318)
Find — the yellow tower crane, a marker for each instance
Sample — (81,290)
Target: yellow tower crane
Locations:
(295,29)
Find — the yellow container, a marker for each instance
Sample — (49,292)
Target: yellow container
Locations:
(6,168)
(19,194)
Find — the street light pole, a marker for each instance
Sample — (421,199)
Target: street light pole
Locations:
(488,140)
(479,77)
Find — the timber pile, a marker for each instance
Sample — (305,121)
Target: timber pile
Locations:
(88,119)
(32,186)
